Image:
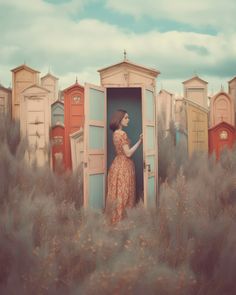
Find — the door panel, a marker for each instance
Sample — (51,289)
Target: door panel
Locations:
(151,192)
(96,104)
(96,137)
(149,106)
(149,148)
(96,191)
(35,105)
(35,117)
(150,136)
(94,147)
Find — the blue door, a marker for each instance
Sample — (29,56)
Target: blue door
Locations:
(94,147)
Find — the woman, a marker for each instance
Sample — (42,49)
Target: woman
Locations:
(121,176)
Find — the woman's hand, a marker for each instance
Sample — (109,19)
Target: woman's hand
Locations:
(129,151)
(141,137)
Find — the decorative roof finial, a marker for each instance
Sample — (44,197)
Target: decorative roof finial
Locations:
(222,88)
(125,53)
(195,73)
(76,80)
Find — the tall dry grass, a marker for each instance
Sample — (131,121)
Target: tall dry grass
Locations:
(50,245)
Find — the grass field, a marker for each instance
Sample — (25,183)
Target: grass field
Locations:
(50,245)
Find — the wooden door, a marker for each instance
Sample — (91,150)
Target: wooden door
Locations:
(36,129)
(149,147)
(224,139)
(95,147)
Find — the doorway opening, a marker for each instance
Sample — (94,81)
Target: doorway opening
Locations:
(129,99)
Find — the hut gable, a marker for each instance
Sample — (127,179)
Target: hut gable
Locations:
(127,74)
(221,109)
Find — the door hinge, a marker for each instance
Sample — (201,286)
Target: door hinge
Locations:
(147,166)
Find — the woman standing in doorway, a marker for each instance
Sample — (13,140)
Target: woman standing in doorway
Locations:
(121,176)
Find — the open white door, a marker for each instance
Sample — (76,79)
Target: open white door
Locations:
(149,147)
(94,147)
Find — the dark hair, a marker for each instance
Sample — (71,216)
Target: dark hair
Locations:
(116,118)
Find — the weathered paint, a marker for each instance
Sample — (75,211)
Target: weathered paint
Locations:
(232,90)
(222,135)
(197,122)
(50,82)
(128,74)
(195,90)
(22,78)
(57,113)
(5,100)
(95,150)
(165,112)
(180,119)
(73,116)
(222,109)
(35,119)
(149,147)
(77,148)
(58,148)
(180,114)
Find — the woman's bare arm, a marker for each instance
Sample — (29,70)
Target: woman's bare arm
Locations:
(130,151)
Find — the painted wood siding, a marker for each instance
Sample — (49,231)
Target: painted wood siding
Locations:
(73,116)
(197,122)
(221,136)
(57,114)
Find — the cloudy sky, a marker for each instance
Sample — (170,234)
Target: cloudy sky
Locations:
(77,37)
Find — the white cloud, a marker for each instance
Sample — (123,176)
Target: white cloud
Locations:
(220,14)
(88,75)
(48,37)
(23,6)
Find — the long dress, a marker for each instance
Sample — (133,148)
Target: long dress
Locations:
(121,180)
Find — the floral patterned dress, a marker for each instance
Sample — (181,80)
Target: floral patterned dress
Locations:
(121,180)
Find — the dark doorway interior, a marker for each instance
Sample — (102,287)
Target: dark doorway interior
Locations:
(128,99)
